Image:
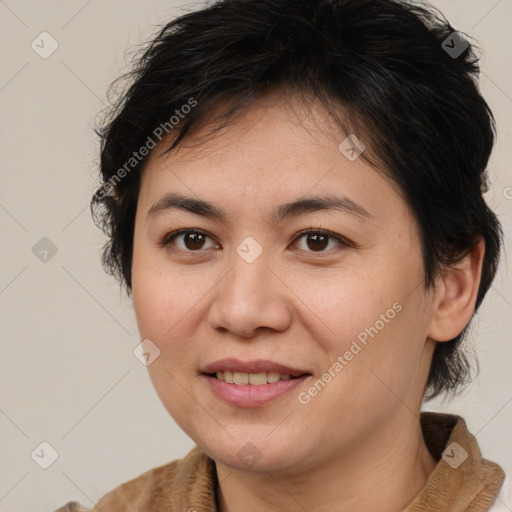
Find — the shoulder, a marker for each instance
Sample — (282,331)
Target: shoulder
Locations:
(149,489)
(503,502)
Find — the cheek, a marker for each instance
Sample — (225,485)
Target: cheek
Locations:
(343,306)
(154,295)
(161,305)
(169,300)
(162,308)
(370,319)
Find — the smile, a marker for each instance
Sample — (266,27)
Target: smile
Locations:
(255,379)
(251,383)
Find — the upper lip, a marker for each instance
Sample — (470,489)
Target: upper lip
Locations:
(255,366)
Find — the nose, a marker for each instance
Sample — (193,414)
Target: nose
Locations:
(251,296)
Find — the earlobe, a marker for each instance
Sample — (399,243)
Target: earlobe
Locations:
(456,295)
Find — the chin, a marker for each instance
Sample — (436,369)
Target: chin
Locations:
(250,452)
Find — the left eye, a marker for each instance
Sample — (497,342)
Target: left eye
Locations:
(319,240)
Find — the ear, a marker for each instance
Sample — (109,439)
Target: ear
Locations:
(455,298)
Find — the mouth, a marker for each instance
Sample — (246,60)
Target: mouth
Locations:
(256,379)
(256,372)
(251,383)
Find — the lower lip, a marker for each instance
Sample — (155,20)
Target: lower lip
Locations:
(248,395)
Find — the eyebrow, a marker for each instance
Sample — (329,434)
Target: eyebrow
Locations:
(286,210)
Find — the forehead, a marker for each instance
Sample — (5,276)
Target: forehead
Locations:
(274,153)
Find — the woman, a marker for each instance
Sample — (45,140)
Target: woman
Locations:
(293,195)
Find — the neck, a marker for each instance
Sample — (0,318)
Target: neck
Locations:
(384,472)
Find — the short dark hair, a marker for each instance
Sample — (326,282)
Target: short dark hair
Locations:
(395,74)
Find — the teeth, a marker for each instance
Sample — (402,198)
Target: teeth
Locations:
(241,378)
(255,379)
(273,377)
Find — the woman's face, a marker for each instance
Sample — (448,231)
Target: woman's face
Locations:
(345,311)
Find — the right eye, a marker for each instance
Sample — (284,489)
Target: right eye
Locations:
(192,240)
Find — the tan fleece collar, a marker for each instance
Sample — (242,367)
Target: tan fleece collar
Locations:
(461,482)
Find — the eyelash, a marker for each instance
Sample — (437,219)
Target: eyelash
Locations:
(168,238)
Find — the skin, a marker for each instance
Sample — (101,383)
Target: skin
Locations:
(357,445)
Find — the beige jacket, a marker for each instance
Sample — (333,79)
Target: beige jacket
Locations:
(459,483)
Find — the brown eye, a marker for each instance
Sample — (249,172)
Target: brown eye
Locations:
(193,240)
(190,240)
(318,241)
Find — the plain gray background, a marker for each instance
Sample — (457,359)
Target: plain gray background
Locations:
(68,373)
